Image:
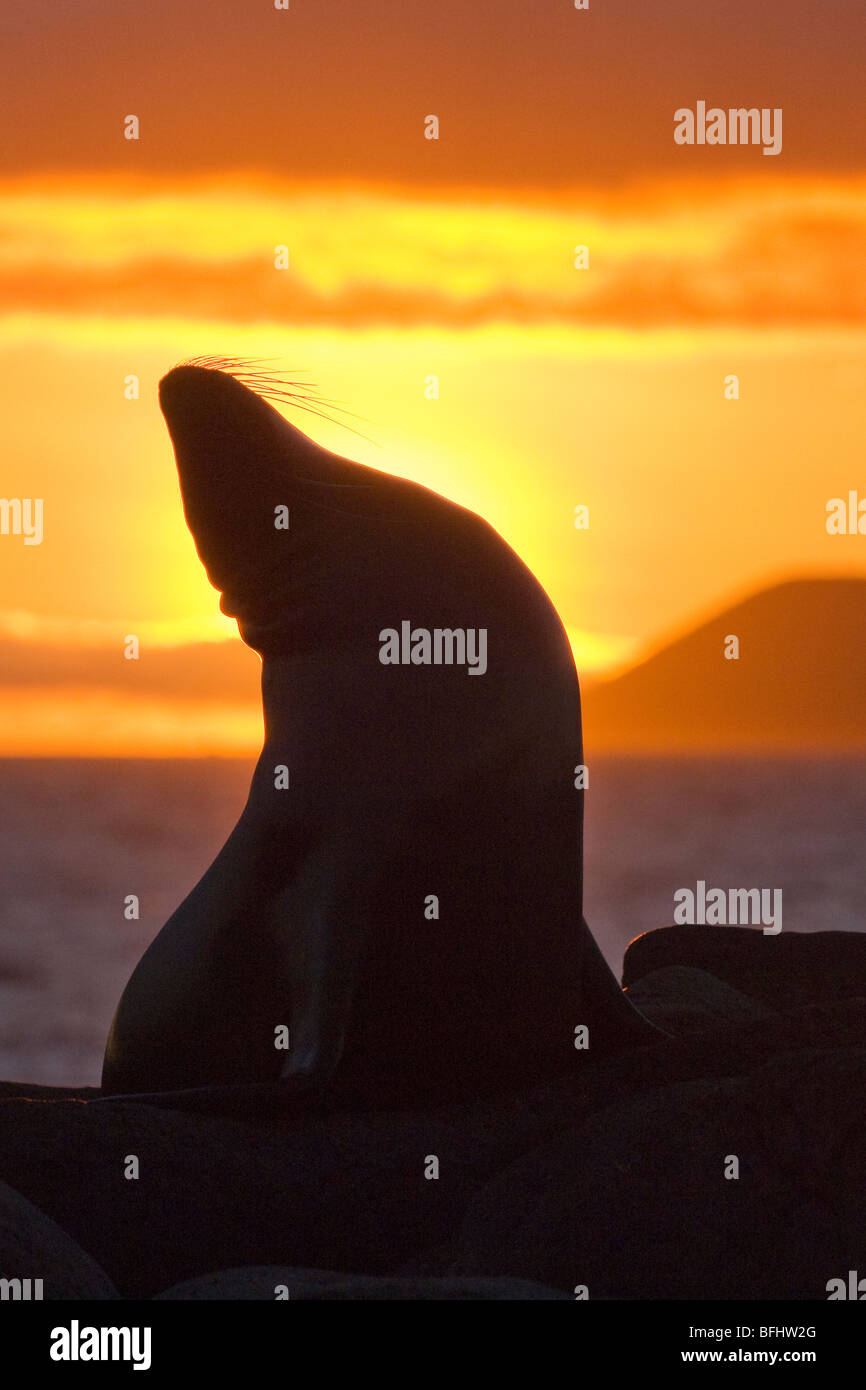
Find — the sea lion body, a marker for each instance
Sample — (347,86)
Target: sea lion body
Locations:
(403,889)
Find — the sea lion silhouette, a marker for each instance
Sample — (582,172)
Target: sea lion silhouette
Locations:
(410,785)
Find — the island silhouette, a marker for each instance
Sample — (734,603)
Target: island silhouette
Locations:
(798,681)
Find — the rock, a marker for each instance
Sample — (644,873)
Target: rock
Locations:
(315,1284)
(680,999)
(332,1191)
(782,971)
(32,1246)
(24,1090)
(335,1191)
(634,1201)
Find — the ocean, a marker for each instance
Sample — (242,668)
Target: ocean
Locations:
(80,836)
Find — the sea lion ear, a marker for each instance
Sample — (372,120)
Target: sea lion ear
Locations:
(236,456)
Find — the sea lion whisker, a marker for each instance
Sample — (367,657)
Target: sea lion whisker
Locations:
(278,386)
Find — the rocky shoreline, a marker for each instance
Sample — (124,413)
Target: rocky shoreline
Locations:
(618,1184)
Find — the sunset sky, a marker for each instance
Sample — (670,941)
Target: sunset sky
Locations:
(410,258)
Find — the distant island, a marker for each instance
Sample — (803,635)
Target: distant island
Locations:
(799,681)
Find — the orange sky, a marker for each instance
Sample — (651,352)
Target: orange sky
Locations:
(531,95)
(557,386)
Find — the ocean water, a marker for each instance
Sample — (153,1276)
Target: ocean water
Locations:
(79,836)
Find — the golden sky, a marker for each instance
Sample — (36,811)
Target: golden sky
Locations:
(558,386)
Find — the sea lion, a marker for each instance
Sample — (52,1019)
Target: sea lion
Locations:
(403,891)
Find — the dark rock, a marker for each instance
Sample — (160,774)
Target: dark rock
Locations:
(783,971)
(32,1246)
(343,1192)
(306,1285)
(631,1137)
(634,1203)
(680,999)
(25,1090)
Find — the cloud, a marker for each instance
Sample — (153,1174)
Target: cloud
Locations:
(217,672)
(757,253)
(68,699)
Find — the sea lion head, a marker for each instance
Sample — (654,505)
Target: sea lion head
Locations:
(305,544)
